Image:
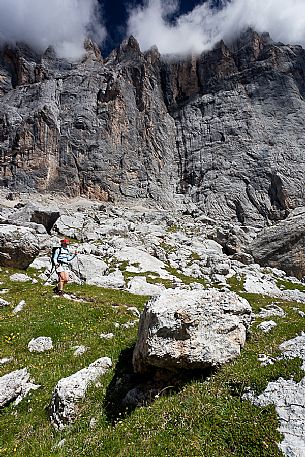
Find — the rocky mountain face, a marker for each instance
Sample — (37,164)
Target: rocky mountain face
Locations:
(224,130)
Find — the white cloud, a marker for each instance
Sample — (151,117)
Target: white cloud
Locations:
(64,24)
(203,27)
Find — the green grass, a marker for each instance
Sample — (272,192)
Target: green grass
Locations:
(282,284)
(206,417)
(184,278)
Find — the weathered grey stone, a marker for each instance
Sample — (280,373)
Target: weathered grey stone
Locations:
(289,400)
(79,350)
(265,360)
(114,280)
(19,307)
(139,286)
(87,267)
(92,423)
(6,360)
(272,310)
(15,386)
(258,282)
(134,311)
(283,245)
(191,329)
(69,391)
(40,344)
(20,277)
(141,261)
(130,324)
(267,326)
(40,218)
(106,336)
(3,302)
(18,246)
(295,348)
(41,263)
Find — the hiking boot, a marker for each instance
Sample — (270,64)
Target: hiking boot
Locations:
(57,291)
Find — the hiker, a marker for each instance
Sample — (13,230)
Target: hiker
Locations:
(62,257)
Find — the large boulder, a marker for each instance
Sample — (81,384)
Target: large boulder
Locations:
(88,267)
(283,245)
(196,329)
(18,246)
(31,215)
(69,391)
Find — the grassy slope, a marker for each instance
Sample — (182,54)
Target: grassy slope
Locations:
(205,418)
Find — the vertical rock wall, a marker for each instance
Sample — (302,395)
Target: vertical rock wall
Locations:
(224,129)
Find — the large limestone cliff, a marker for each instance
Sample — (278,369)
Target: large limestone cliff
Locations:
(224,129)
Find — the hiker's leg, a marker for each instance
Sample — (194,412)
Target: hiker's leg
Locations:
(64,279)
(61,281)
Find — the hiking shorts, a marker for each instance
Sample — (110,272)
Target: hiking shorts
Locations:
(62,267)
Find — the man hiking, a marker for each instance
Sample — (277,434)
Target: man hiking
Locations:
(61,259)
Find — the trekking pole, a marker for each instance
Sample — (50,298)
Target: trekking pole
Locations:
(48,278)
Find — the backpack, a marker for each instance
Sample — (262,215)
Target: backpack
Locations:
(54,249)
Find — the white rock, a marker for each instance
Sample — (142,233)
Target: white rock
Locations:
(18,245)
(88,266)
(197,286)
(40,344)
(19,307)
(3,302)
(92,423)
(266,326)
(106,336)
(114,280)
(69,391)
(265,360)
(130,324)
(144,262)
(139,286)
(6,360)
(15,386)
(79,350)
(4,291)
(20,277)
(289,400)
(272,310)
(261,284)
(295,348)
(191,329)
(41,263)
(134,311)
(70,226)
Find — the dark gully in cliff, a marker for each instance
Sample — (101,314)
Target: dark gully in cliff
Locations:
(224,130)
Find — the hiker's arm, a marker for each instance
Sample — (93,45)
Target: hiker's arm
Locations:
(56,254)
(72,256)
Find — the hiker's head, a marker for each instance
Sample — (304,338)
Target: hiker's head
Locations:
(64,242)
